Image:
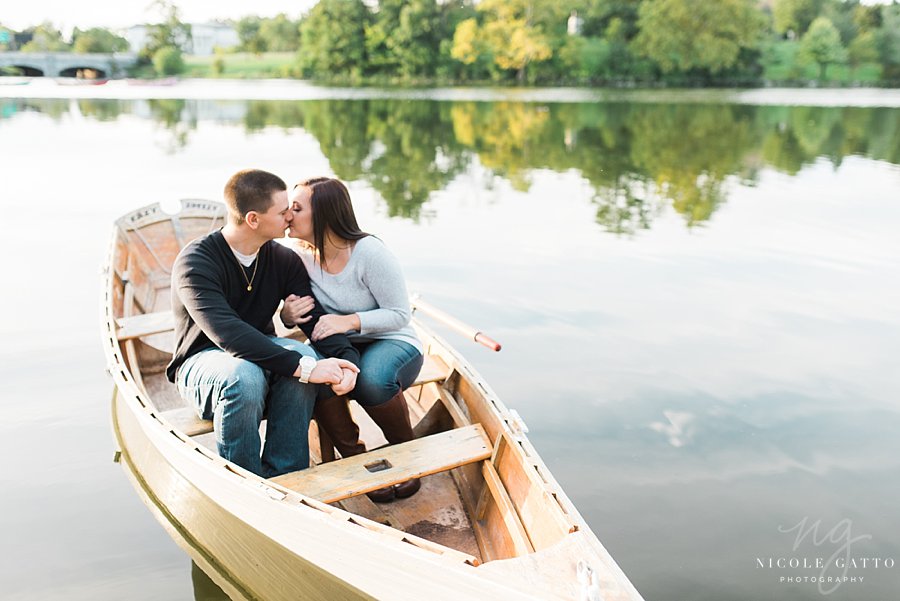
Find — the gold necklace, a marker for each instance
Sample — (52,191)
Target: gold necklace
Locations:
(244,273)
(340,254)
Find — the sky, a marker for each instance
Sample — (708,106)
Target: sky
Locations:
(65,14)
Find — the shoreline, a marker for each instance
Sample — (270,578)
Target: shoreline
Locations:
(291,89)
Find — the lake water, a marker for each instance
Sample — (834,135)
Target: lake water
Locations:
(698,297)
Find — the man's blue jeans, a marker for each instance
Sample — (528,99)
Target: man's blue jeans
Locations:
(234,393)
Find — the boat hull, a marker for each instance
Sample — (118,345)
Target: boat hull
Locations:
(258,539)
(235,532)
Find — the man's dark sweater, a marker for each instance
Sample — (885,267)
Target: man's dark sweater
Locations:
(213,307)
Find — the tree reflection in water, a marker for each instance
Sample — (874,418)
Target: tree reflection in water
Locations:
(204,588)
(638,159)
(176,118)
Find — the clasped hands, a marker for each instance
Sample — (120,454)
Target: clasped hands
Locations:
(340,373)
(296,311)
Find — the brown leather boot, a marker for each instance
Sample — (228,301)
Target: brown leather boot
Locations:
(393,419)
(333,416)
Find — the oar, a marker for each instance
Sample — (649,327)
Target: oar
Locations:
(464,329)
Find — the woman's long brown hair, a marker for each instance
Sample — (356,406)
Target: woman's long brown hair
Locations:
(331,210)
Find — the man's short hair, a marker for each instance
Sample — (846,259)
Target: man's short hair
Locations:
(251,190)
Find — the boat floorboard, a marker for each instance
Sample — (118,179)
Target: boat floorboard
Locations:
(162,392)
(434,513)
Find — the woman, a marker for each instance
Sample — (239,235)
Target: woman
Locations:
(359,283)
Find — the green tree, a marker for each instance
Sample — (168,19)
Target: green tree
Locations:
(586,59)
(171,32)
(780,60)
(867,18)
(889,42)
(515,39)
(416,36)
(618,33)
(795,15)
(97,40)
(468,46)
(843,17)
(46,38)
(863,49)
(248,30)
(681,35)
(280,33)
(168,61)
(452,13)
(507,32)
(379,37)
(404,37)
(218,63)
(822,45)
(599,15)
(333,39)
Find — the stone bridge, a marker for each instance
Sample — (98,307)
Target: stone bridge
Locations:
(67,64)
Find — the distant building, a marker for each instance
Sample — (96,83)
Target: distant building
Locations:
(136,35)
(573,26)
(205,37)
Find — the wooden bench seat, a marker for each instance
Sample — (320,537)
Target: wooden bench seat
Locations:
(145,324)
(185,418)
(382,467)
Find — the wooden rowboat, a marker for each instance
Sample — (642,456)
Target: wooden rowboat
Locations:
(490,522)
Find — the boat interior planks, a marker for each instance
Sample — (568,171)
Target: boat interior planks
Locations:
(489,522)
(435,513)
(145,325)
(389,465)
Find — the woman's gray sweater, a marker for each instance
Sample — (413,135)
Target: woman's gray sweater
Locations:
(370,285)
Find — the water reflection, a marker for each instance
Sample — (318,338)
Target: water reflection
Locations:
(692,390)
(204,588)
(174,116)
(637,159)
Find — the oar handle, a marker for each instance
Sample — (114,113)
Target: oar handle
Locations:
(447,319)
(482,338)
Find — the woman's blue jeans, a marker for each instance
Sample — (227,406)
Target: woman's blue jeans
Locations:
(235,393)
(386,367)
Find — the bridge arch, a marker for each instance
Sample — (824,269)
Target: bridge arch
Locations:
(67,64)
(84,73)
(27,70)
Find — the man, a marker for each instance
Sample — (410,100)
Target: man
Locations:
(228,363)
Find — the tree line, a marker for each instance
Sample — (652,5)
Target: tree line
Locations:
(596,41)
(593,42)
